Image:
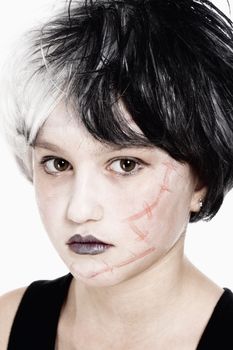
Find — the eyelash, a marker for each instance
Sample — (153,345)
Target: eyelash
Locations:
(46,159)
(139,164)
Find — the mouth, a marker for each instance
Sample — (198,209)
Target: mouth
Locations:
(87,245)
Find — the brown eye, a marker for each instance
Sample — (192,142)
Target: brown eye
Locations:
(127,165)
(60,164)
(54,165)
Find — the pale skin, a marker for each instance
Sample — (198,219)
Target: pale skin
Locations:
(143,292)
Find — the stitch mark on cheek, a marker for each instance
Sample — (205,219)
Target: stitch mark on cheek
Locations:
(148,210)
(170,167)
(165,185)
(143,212)
(137,257)
(141,235)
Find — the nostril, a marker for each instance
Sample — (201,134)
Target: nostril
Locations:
(84,212)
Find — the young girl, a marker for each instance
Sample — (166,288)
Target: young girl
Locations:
(120,114)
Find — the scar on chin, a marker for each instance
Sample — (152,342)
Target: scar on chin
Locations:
(135,257)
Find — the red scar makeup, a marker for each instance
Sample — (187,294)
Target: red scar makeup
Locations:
(141,235)
(137,257)
(123,263)
(147,211)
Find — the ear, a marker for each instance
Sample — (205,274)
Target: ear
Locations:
(198,197)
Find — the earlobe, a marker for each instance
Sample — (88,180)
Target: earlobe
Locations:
(198,199)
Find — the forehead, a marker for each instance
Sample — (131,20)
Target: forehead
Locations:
(65,119)
(65,115)
(64,127)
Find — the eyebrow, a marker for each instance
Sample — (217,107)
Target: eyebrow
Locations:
(47,145)
(106,148)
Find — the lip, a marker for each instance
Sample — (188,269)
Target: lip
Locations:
(87,245)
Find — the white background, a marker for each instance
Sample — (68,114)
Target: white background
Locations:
(26,253)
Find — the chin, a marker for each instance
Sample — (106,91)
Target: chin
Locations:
(100,279)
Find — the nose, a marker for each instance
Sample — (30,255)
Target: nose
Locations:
(84,200)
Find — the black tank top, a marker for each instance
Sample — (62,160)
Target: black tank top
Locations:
(36,320)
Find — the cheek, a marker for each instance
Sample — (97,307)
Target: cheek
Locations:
(163,214)
(50,204)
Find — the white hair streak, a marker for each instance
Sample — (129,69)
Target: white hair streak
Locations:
(28,96)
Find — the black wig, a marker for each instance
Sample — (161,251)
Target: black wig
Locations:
(170,62)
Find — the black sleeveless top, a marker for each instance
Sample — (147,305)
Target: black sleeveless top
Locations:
(36,320)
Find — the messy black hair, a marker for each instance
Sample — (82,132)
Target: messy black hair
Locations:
(169,62)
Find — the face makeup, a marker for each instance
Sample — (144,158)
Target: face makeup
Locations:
(140,215)
(87,245)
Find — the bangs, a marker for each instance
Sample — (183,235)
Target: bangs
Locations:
(97,58)
(108,52)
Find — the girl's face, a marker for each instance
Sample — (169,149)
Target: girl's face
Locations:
(137,199)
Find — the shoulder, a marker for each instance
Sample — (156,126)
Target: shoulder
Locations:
(28,306)
(33,307)
(9,303)
(219,330)
(223,311)
(224,308)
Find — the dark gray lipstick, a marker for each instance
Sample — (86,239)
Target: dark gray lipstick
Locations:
(87,245)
